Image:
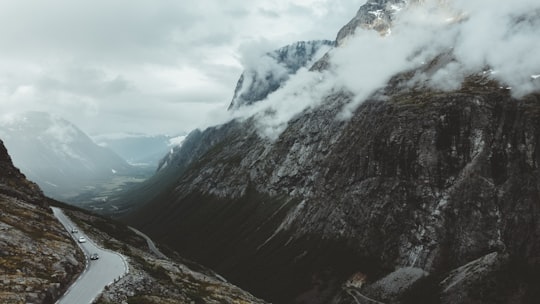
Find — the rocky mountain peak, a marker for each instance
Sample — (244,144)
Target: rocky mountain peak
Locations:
(273,69)
(375,14)
(4,156)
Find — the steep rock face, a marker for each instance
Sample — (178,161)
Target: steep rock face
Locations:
(38,259)
(273,69)
(430,180)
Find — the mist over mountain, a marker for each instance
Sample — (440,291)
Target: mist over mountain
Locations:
(57,155)
(266,74)
(402,167)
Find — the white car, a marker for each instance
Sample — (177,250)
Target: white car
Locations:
(94,256)
(82,239)
(74,230)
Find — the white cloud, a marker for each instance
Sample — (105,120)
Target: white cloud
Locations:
(177,141)
(503,37)
(153,66)
(170,66)
(476,34)
(303,90)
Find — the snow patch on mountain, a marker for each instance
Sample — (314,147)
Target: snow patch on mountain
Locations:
(177,141)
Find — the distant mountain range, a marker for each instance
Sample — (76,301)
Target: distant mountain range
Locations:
(139,149)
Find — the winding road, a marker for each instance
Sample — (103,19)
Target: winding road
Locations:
(150,243)
(98,273)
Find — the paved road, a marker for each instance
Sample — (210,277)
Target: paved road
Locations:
(150,243)
(97,274)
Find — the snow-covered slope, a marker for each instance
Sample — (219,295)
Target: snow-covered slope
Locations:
(57,155)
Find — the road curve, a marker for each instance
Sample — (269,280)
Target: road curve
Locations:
(97,274)
(150,243)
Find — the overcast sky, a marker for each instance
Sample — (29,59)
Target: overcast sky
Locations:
(149,66)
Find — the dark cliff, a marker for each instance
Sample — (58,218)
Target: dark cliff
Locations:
(421,196)
(431,180)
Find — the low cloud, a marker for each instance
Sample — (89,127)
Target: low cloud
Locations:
(475,36)
(305,89)
(503,37)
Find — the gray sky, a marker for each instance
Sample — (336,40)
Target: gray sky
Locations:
(149,66)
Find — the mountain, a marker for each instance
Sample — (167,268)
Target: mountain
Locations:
(268,73)
(426,191)
(38,259)
(430,181)
(57,155)
(374,15)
